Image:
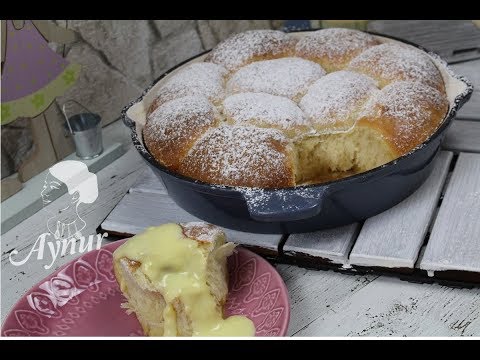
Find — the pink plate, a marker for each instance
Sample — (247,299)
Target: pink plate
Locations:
(83,299)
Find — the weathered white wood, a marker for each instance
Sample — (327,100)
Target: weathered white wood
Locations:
(139,210)
(116,141)
(463,136)
(454,40)
(28,201)
(332,245)
(455,240)
(391,307)
(113,182)
(148,182)
(471,70)
(314,293)
(393,238)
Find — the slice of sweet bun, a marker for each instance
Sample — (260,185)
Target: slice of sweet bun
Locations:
(174,278)
(281,110)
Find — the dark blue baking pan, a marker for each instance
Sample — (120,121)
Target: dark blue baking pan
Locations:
(303,208)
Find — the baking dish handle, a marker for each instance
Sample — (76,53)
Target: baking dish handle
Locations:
(284,205)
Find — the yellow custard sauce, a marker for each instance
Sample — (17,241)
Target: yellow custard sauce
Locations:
(177,268)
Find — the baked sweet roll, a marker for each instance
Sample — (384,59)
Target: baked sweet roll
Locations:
(334,48)
(197,79)
(173,128)
(289,77)
(391,62)
(332,104)
(249,46)
(405,114)
(266,110)
(242,156)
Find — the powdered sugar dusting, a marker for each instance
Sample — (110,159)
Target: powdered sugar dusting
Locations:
(244,47)
(333,99)
(175,126)
(334,42)
(264,110)
(239,154)
(205,79)
(281,199)
(228,121)
(289,77)
(201,231)
(391,62)
(412,106)
(175,119)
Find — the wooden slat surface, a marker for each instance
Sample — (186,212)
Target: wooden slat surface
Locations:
(332,245)
(27,202)
(449,38)
(455,240)
(463,135)
(139,210)
(391,307)
(471,70)
(314,293)
(149,182)
(393,238)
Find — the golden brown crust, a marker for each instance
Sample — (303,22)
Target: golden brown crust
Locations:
(405,113)
(241,156)
(173,128)
(249,46)
(234,137)
(289,77)
(391,62)
(197,79)
(333,102)
(333,48)
(266,111)
(201,231)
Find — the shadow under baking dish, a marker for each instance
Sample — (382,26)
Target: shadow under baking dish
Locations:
(310,207)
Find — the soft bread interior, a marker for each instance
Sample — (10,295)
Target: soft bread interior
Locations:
(147,303)
(331,156)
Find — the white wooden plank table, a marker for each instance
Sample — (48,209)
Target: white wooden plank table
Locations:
(323,303)
(454,244)
(331,245)
(151,209)
(463,136)
(393,238)
(454,40)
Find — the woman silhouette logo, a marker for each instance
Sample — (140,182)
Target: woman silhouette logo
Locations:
(83,188)
(65,225)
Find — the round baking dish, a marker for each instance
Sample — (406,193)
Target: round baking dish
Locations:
(302,208)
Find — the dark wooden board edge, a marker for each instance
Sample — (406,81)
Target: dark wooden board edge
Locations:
(450,278)
(455,279)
